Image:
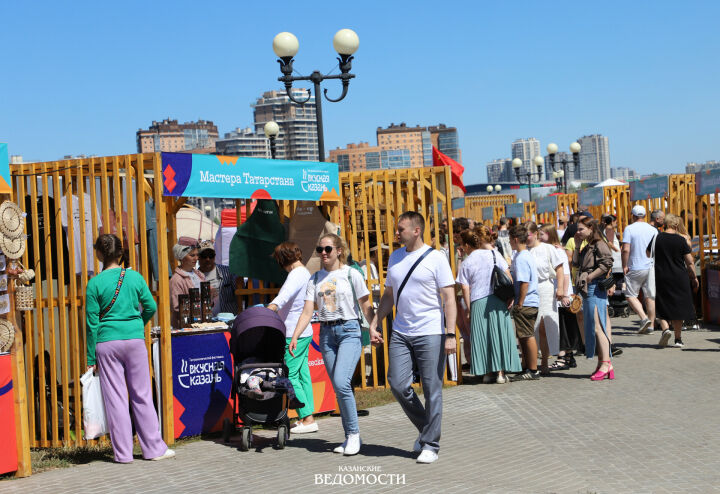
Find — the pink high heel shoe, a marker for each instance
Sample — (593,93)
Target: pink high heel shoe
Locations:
(600,375)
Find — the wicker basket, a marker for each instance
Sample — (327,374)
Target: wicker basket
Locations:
(24,297)
(7,335)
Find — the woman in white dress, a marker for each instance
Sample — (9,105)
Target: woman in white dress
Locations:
(551,289)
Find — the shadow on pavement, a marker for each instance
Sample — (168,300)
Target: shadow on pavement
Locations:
(323,446)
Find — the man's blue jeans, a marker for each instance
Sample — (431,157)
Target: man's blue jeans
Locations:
(429,353)
(340,346)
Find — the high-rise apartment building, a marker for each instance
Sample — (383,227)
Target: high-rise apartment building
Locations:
(594,158)
(500,170)
(169,135)
(298,138)
(419,141)
(526,150)
(362,156)
(244,142)
(623,173)
(445,139)
(701,167)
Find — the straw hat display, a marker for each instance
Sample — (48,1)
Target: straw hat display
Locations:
(7,335)
(12,240)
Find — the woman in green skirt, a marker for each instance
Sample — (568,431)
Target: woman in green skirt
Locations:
(494,347)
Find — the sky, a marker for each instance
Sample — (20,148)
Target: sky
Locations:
(83,77)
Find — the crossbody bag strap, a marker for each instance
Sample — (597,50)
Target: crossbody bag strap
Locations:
(652,247)
(115,295)
(352,287)
(407,276)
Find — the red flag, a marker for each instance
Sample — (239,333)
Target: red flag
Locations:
(456,169)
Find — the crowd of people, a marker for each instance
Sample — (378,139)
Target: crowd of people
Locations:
(524,293)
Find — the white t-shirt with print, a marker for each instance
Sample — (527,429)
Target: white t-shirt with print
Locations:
(333,294)
(419,310)
(476,272)
(291,300)
(547,258)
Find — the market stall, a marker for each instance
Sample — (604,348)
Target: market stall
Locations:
(202,364)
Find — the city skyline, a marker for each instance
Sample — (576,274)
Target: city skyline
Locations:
(648,87)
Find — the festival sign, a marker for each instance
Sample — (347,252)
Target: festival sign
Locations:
(546,205)
(458,203)
(649,188)
(4,170)
(516,210)
(707,182)
(488,213)
(232,177)
(593,196)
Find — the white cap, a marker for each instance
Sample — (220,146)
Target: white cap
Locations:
(638,211)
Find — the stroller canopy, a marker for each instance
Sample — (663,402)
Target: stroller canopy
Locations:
(260,333)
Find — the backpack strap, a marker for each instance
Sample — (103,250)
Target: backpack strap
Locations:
(115,296)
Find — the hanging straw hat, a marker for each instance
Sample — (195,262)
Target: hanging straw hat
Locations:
(13,248)
(7,335)
(11,219)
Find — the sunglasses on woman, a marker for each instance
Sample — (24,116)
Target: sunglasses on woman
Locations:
(319,249)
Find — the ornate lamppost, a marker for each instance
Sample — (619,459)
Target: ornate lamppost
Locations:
(567,165)
(271,132)
(285,46)
(490,189)
(529,177)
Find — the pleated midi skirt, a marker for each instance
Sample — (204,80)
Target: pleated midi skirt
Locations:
(493,342)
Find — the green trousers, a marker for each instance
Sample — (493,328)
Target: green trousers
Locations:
(300,375)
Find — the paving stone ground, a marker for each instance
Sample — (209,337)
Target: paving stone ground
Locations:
(653,429)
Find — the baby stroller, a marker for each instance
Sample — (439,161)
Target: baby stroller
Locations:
(618,305)
(258,334)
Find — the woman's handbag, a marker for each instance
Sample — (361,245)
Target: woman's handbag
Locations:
(501,284)
(606,283)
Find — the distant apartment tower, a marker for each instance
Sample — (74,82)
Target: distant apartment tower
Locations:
(245,143)
(445,139)
(526,150)
(500,170)
(169,135)
(701,167)
(363,157)
(594,158)
(623,173)
(416,140)
(298,138)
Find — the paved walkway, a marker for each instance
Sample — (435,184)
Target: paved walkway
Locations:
(654,429)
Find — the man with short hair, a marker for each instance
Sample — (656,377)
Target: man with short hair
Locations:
(638,268)
(421,285)
(657,219)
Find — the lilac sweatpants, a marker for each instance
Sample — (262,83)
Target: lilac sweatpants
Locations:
(123,369)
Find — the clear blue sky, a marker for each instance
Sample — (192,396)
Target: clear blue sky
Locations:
(82,77)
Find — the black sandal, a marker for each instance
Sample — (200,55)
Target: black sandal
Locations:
(560,364)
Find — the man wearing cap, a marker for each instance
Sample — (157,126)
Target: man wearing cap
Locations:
(638,267)
(222,281)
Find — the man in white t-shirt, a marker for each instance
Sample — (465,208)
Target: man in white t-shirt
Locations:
(418,330)
(638,267)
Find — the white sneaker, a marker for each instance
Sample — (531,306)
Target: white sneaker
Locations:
(353,445)
(645,326)
(502,379)
(665,338)
(301,428)
(427,456)
(417,447)
(168,454)
(341,449)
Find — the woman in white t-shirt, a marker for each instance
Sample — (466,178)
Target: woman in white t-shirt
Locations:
(551,280)
(339,293)
(569,329)
(493,344)
(289,305)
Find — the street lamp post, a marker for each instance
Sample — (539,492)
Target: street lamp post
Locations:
(558,176)
(529,176)
(285,46)
(271,132)
(572,164)
(490,189)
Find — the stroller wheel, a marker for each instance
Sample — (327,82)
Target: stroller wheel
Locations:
(282,436)
(611,311)
(626,312)
(228,430)
(245,438)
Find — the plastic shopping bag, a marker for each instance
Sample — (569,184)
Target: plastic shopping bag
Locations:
(94,420)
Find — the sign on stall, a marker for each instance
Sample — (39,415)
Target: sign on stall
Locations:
(649,188)
(488,213)
(516,210)
(458,203)
(707,182)
(591,197)
(546,205)
(232,177)
(4,170)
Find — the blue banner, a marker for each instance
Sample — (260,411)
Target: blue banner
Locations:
(458,203)
(707,182)
(5,187)
(516,210)
(488,213)
(593,196)
(232,177)
(650,188)
(546,205)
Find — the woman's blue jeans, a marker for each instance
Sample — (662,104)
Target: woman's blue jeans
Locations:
(340,346)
